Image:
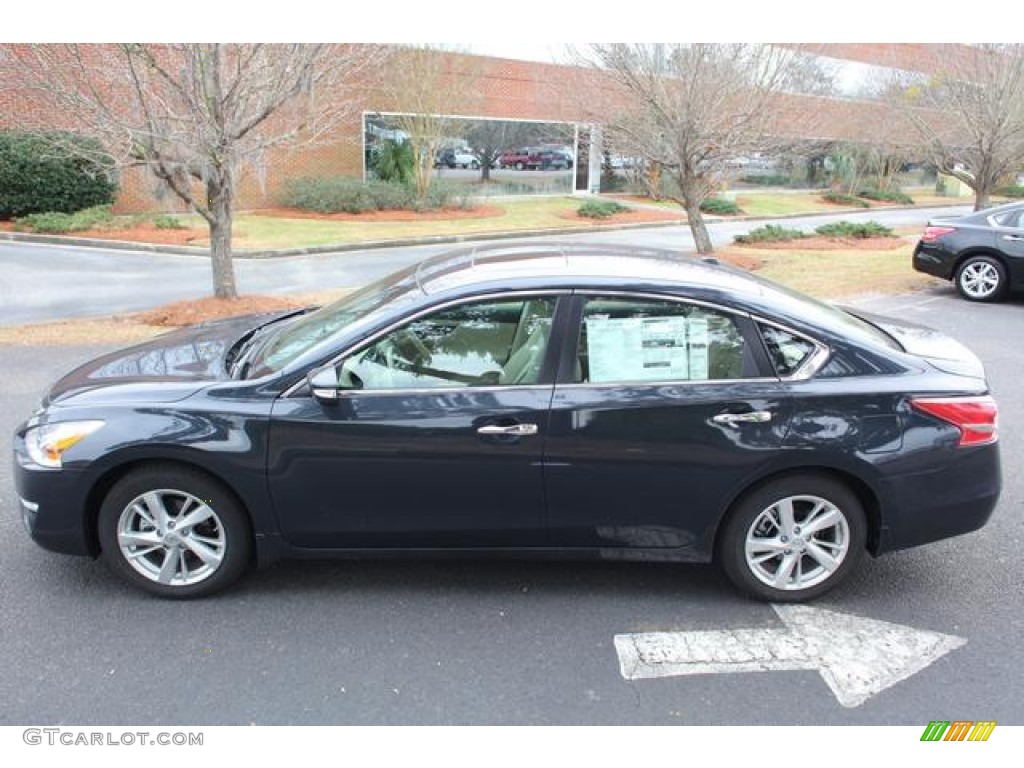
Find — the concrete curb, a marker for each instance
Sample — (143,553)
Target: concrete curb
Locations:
(183,250)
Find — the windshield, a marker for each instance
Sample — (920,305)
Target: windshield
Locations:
(306,332)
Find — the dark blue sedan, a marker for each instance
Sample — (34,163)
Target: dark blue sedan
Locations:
(520,401)
(982,253)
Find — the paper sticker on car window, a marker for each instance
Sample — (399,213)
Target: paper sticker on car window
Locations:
(647,348)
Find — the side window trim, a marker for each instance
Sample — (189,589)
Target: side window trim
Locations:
(561,297)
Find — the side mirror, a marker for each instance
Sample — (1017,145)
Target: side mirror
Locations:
(323,383)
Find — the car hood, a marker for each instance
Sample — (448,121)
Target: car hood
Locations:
(171,367)
(938,349)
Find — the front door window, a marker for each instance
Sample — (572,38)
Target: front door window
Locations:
(497,342)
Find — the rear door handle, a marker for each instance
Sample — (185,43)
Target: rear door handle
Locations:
(517,430)
(750,417)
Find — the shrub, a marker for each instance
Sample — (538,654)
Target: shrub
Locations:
(334,195)
(600,209)
(841,198)
(39,176)
(443,194)
(886,196)
(768,180)
(47,223)
(769,233)
(860,230)
(720,205)
(58,223)
(167,221)
(1013,190)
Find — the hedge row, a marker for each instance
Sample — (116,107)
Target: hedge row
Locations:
(341,195)
(773,233)
(55,172)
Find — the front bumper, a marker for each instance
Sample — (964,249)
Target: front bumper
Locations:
(53,503)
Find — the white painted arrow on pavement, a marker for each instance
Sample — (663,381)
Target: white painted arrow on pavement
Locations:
(857,657)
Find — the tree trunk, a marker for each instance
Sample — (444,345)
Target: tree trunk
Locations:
(981,199)
(485,172)
(695,190)
(423,160)
(697,226)
(219,197)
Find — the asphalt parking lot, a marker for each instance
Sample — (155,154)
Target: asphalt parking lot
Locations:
(499,642)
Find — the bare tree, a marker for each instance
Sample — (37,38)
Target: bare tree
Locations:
(425,87)
(691,109)
(198,115)
(490,138)
(969,116)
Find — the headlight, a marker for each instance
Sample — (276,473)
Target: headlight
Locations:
(46,444)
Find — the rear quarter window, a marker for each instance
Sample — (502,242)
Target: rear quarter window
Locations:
(787,351)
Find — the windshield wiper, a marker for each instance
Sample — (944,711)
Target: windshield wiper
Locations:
(242,350)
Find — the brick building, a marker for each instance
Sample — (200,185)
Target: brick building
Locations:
(481,87)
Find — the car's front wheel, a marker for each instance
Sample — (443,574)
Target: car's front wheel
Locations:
(793,539)
(174,532)
(981,278)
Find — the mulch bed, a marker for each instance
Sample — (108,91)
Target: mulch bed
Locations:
(202,310)
(144,232)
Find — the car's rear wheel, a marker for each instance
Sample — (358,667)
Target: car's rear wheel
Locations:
(174,532)
(793,539)
(981,278)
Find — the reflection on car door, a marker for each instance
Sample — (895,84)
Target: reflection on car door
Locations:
(435,441)
(662,412)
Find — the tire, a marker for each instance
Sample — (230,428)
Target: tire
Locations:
(474,166)
(773,560)
(162,557)
(981,278)
(519,166)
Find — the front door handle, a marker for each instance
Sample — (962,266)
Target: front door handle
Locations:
(1015,238)
(516,430)
(750,417)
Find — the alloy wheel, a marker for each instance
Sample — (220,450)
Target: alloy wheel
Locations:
(796,543)
(171,537)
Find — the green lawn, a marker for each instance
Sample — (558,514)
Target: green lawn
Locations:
(255,232)
(783,203)
(831,274)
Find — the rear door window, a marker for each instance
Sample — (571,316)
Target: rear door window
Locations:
(626,340)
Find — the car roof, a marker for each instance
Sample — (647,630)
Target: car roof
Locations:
(984,214)
(635,269)
(565,264)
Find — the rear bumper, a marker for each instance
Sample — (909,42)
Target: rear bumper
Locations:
(933,259)
(955,499)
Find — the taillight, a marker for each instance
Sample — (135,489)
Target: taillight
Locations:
(931,234)
(975,417)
